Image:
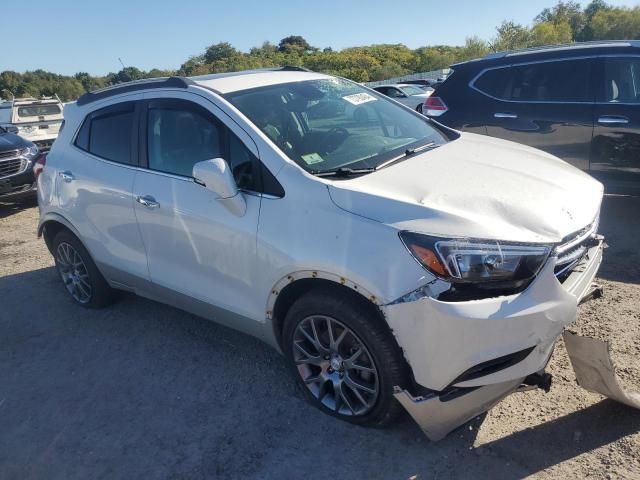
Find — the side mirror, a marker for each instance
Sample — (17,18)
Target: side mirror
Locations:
(11,129)
(215,175)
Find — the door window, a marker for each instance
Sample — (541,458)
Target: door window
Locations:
(622,80)
(181,134)
(107,132)
(558,81)
(178,138)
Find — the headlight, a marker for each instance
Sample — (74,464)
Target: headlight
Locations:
(473,261)
(30,152)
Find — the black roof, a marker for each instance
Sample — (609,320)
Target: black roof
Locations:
(603,47)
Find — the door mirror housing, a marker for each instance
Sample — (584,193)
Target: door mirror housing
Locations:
(216,175)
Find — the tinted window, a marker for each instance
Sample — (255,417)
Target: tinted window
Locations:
(38,110)
(110,136)
(562,81)
(106,133)
(242,163)
(622,80)
(179,138)
(496,83)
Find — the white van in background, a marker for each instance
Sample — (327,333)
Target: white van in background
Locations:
(37,120)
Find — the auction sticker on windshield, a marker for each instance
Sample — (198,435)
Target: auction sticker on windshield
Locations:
(359,98)
(312,158)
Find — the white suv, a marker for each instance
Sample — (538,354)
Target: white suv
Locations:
(394,262)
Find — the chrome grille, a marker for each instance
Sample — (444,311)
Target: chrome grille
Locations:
(9,154)
(573,249)
(11,167)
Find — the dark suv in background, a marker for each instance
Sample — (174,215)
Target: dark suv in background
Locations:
(580,102)
(17,159)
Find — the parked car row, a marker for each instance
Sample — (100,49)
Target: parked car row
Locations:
(412,96)
(28,128)
(580,102)
(394,261)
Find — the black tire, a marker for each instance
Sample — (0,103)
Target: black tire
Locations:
(101,294)
(372,332)
(419,108)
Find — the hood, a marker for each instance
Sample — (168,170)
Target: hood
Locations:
(479,187)
(10,141)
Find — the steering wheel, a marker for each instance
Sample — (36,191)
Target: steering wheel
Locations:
(335,137)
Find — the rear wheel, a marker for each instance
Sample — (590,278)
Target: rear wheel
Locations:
(80,276)
(419,108)
(343,357)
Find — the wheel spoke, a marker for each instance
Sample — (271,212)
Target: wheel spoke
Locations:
(353,366)
(357,394)
(313,379)
(359,386)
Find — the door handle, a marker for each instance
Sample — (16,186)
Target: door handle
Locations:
(66,176)
(148,201)
(613,120)
(505,115)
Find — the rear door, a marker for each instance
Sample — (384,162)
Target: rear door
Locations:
(616,143)
(94,185)
(547,105)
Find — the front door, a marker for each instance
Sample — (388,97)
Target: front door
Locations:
(195,245)
(615,157)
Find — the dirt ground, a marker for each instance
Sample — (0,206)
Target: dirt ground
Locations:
(141,390)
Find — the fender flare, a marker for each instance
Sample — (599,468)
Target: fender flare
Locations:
(307,274)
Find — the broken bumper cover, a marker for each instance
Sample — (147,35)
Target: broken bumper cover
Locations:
(483,349)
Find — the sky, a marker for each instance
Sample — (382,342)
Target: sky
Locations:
(89,36)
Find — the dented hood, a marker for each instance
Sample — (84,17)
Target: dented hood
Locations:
(477,186)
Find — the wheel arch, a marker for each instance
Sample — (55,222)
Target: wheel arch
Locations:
(51,225)
(291,287)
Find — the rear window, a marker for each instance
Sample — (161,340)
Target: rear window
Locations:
(107,133)
(558,81)
(38,110)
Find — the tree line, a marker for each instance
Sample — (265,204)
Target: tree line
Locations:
(565,22)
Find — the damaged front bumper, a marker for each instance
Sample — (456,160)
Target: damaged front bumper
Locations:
(470,355)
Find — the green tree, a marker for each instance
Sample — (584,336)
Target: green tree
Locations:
(549,33)
(511,36)
(295,44)
(616,24)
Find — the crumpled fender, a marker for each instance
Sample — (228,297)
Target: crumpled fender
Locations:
(595,372)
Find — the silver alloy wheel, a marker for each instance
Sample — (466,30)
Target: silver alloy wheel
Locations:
(73,272)
(335,365)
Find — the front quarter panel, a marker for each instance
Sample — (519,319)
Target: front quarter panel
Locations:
(306,231)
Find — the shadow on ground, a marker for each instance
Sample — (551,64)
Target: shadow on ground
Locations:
(141,390)
(10,208)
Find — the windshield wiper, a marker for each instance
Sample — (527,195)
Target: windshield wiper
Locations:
(342,172)
(407,153)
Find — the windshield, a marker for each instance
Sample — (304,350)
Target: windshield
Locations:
(411,90)
(332,123)
(38,110)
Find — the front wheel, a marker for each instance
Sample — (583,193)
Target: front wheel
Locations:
(344,358)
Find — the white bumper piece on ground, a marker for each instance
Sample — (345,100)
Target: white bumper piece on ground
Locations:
(473,354)
(594,369)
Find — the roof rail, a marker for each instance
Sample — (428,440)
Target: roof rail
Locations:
(144,84)
(293,68)
(565,46)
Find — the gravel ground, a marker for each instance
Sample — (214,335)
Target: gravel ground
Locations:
(141,390)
